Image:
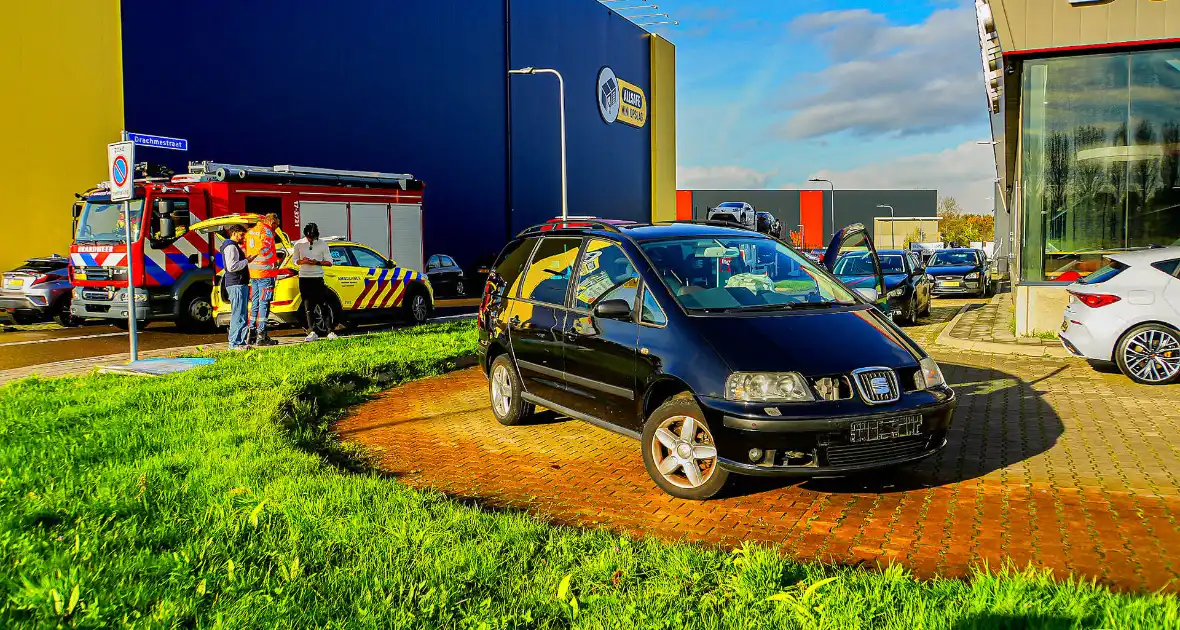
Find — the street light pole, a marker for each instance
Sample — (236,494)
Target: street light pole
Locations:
(561,106)
(892,222)
(829,182)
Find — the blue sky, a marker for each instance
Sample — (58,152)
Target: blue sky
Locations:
(867,93)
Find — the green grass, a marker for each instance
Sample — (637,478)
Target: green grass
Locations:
(220,498)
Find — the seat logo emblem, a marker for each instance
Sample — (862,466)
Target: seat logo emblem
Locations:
(880,386)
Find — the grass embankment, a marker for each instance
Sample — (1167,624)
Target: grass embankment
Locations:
(219,497)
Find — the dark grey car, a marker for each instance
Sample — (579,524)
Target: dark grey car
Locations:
(38,290)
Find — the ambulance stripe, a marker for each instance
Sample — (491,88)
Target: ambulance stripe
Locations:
(397,285)
(397,298)
(369,284)
(383,285)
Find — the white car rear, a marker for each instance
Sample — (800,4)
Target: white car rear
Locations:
(1128,312)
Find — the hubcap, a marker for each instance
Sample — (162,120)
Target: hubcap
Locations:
(1153,355)
(419,308)
(200,310)
(684,452)
(501,390)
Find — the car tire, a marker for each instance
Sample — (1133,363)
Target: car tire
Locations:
(926,309)
(417,306)
(121,324)
(66,320)
(1144,342)
(684,466)
(504,392)
(460,290)
(196,310)
(326,316)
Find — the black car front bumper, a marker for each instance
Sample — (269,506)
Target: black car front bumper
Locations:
(817,444)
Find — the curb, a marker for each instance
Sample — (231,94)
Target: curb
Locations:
(945,339)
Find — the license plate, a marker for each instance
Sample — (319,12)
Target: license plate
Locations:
(949,283)
(15,283)
(874,430)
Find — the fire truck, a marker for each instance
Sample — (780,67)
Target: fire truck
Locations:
(174,267)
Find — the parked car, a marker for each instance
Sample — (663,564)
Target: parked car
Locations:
(38,290)
(738,212)
(907,287)
(1128,312)
(767,224)
(447,277)
(960,271)
(721,350)
(363,286)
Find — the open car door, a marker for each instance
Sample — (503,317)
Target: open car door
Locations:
(214,227)
(852,246)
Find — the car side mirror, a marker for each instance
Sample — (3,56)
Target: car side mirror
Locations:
(391,265)
(868,293)
(612,309)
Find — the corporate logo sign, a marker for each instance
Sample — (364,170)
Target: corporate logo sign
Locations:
(619,100)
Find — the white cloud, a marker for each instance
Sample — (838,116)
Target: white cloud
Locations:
(966,172)
(721,177)
(887,79)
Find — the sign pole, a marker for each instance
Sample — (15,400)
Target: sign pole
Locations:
(132,333)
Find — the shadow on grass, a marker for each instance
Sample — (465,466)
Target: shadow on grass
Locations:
(310,416)
(999,621)
(1000,420)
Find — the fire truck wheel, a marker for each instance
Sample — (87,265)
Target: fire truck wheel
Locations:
(121,324)
(196,309)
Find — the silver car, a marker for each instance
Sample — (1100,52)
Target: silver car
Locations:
(36,291)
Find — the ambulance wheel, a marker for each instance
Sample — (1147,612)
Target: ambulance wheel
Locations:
(196,309)
(417,306)
(325,316)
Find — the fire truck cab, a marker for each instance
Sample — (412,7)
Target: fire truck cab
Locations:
(174,267)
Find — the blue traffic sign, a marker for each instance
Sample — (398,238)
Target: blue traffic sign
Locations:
(158,142)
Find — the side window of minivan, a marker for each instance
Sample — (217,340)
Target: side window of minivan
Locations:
(510,266)
(549,273)
(605,274)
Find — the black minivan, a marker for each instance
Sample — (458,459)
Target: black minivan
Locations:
(721,349)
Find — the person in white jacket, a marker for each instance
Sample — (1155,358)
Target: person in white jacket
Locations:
(312,255)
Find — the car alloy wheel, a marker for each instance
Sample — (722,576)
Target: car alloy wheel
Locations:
(1151,355)
(684,452)
(418,308)
(501,390)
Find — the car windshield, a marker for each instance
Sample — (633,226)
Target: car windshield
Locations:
(102,221)
(742,274)
(731,204)
(947,259)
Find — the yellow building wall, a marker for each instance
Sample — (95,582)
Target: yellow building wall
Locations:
(663,129)
(61,67)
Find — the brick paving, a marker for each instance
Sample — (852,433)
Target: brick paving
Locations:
(1049,463)
(992,322)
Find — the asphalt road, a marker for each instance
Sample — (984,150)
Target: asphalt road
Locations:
(23,346)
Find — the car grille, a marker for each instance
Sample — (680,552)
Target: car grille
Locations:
(876,385)
(869,453)
(96,294)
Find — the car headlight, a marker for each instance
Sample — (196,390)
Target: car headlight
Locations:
(897,293)
(767,387)
(929,374)
(974,275)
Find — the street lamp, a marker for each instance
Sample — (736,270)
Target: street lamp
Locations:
(561,107)
(816,179)
(892,222)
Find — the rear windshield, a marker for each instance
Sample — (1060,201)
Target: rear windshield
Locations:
(43,266)
(1111,270)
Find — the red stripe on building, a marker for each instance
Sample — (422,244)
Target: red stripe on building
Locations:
(811,215)
(683,205)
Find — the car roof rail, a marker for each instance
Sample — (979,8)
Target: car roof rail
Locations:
(582,224)
(729,224)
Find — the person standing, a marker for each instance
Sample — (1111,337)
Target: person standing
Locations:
(263,260)
(236,281)
(312,255)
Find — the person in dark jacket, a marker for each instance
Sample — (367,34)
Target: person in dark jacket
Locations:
(236,282)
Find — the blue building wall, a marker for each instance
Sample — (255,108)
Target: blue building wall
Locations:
(392,85)
(609,166)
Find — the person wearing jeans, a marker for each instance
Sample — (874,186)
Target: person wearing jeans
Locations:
(312,255)
(234,282)
(263,263)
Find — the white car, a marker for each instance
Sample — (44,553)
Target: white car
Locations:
(738,212)
(1129,312)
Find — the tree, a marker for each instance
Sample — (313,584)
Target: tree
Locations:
(911,238)
(958,228)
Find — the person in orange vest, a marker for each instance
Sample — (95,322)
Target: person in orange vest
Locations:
(264,267)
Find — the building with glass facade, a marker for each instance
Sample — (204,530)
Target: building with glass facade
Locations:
(1085,104)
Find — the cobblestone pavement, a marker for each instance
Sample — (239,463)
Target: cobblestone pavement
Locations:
(992,322)
(1049,462)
